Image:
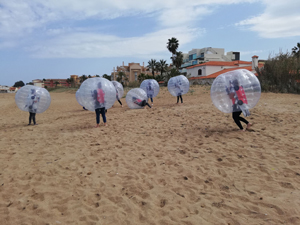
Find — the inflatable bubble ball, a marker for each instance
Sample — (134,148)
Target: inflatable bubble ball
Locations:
(97,92)
(151,87)
(119,89)
(78,98)
(136,98)
(33,99)
(237,90)
(178,85)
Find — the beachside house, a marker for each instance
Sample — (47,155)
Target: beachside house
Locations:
(198,56)
(131,71)
(205,73)
(38,83)
(4,89)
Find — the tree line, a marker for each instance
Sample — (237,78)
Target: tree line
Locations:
(281,73)
(160,69)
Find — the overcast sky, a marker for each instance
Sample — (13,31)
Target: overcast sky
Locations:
(55,39)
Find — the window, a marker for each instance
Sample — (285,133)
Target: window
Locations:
(135,76)
(199,72)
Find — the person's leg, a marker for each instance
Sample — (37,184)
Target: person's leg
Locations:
(243,120)
(148,105)
(246,122)
(177,99)
(236,117)
(33,118)
(30,117)
(97,111)
(181,98)
(120,102)
(102,110)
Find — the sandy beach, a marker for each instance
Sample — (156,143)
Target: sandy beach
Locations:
(185,164)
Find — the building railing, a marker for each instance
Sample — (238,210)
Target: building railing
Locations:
(186,64)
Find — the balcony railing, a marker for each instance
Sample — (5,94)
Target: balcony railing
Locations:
(186,64)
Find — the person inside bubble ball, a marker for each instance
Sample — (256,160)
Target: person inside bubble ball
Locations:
(117,96)
(150,92)
(178,91)
(98,96)
(140,102)
(32,102)
(239,103)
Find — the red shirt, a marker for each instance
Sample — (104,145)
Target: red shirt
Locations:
(100,96)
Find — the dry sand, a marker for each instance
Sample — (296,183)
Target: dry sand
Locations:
(172,164)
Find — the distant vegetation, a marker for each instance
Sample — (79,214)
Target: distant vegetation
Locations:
(63,89)
(19,84)
(281,73)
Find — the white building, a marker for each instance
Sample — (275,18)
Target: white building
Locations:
(38,83)
(4,89)
(197,56)
(208,71)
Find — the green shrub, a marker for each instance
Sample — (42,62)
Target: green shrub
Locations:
(280,74)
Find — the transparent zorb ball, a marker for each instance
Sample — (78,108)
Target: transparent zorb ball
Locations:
(97,92)
(151,87)
(178,85)
(237,90)
(119,89)
(136,98)
(33,99)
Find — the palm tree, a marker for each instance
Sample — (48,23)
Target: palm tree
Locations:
(296,51)
(172,46)
(122,78)
(162,66)
(68,80)
(178,60)
(152,65)
(71,81)
(106,77)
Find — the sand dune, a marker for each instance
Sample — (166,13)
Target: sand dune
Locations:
(173,164)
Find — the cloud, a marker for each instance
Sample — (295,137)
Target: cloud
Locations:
(95,45)
(59,25)
(7,44)
(19,17)
(280,19)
